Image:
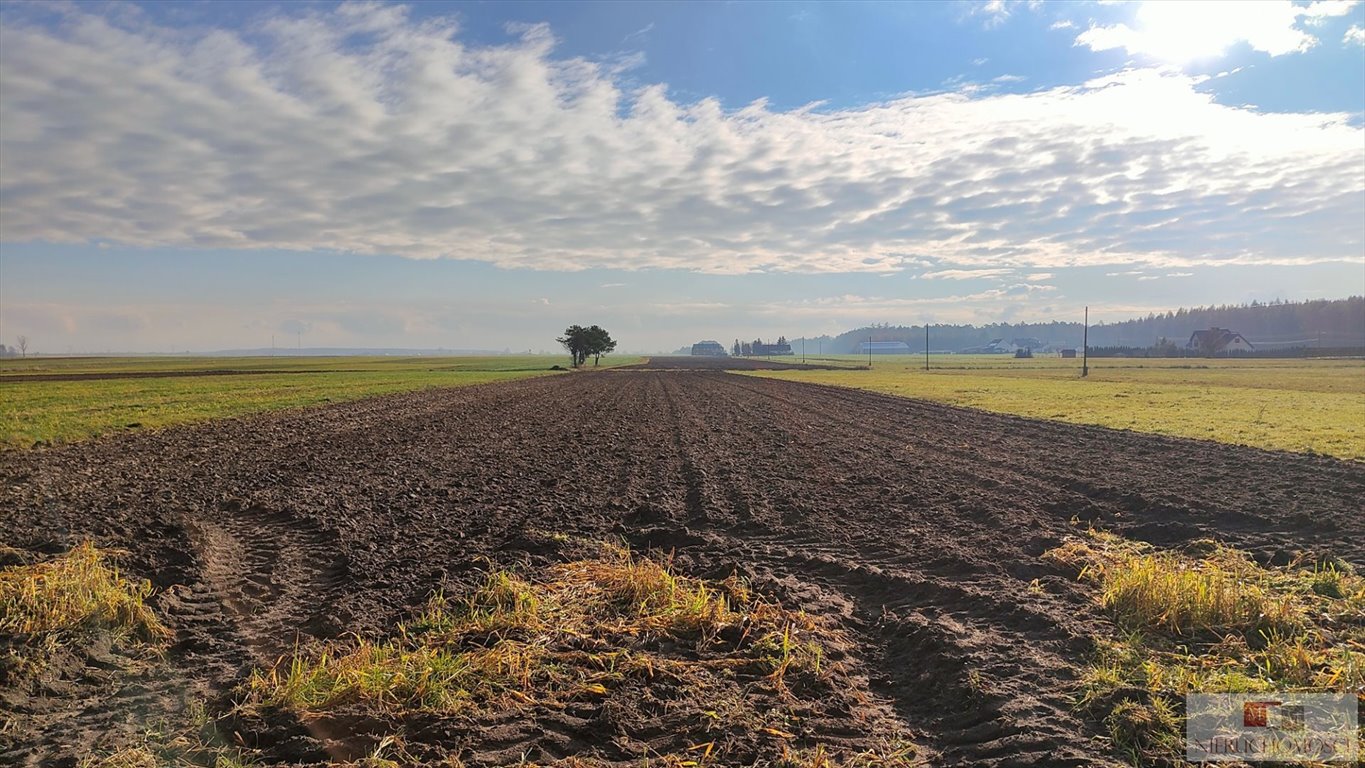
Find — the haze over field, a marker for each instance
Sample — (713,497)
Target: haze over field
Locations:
(459,175)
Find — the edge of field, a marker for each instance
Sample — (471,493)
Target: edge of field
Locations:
(38,412)
(1303,406)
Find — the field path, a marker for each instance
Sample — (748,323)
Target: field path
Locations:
(916,526)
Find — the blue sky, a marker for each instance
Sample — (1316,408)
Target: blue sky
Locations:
(201,176)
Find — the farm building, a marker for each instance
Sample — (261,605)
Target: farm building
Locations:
(711,348)
(1068,353)
(1216,341)
(884,348)
(780,347)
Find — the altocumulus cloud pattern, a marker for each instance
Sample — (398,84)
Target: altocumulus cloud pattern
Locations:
(365,130)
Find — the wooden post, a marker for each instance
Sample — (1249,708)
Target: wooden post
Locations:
(926,347)
(869,351)
(1085,345)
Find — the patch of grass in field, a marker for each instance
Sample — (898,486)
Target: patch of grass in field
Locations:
(1293,405)
(53,610)
(75,591)
(1209,620)
(66,411)
(583,629)
(513,641)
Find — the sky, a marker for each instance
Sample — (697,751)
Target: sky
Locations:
(204,176)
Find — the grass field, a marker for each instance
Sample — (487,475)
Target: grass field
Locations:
(1293,405)
(64,411)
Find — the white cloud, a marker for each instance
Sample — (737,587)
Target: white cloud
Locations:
(365,131)
(1356,34)
(1179,274)
(1063,24)
(1009,79)
(612,285)
(1038,277)
(965,274)
(997,12)
(1201,29)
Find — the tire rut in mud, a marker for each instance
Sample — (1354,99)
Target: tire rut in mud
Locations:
(269,574)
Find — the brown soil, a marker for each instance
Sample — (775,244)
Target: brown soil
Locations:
(916,528)
(706,363)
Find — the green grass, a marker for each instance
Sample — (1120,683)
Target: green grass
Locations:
(1292,405)
(67,411)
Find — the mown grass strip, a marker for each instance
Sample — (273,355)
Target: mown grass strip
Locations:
(1289,405)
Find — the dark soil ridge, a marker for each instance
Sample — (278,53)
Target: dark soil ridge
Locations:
(916,526)
(706,363)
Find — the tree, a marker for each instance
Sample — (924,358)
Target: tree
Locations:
(575,340)
(737,350)
(23,346)
(599,343)
(582,343)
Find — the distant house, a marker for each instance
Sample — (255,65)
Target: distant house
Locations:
(1216,341)
(1068,353)
(995,347)
(708,348)
(884,348)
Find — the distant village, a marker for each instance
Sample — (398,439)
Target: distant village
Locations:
(1212,341)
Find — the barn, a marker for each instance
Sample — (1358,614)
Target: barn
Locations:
(708,348)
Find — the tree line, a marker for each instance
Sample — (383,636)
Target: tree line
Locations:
(1335,323)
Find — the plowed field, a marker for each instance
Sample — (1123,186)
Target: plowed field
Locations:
(914,529)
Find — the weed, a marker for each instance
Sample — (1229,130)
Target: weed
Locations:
(1145,732)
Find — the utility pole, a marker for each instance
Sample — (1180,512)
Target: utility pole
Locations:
(869,351)
(926,347)
(803,350)
(1085,345)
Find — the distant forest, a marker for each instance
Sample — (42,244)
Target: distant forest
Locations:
(1278,325)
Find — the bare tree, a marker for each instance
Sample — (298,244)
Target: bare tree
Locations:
(23,346)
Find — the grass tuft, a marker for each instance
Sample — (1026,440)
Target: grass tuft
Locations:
(1210,620)
(74,591)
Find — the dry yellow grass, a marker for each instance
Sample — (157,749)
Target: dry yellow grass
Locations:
(512,641)
(79,589)
(1210,620)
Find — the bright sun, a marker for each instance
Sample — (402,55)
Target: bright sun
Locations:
(1200,29)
